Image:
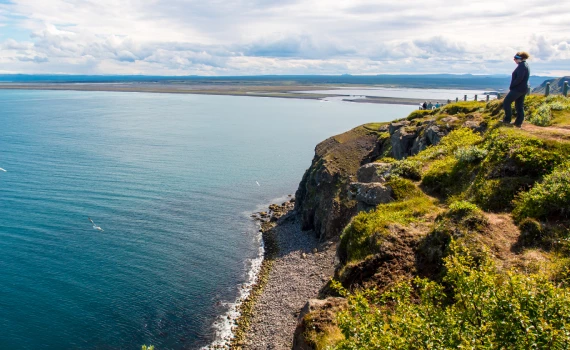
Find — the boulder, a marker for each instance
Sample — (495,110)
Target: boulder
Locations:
(321,199)
(373,172)
(434,134)
(323,315)
(396,126)
(369,195)
(402,141)
(478,126)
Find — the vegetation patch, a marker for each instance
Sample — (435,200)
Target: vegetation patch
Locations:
(462,107)
(475,307)
(403,189)
(408,168)
(540,111)
(547,199)
(456,139)
(463,221)
(365,233)
(418,114)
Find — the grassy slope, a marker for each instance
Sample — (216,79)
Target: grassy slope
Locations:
(503,199)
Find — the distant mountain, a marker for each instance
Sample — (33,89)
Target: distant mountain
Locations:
(556,85)
(434,81)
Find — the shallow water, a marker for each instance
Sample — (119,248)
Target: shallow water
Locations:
(171,179)
(435,95)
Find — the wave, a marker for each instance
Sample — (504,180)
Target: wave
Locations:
(225,323)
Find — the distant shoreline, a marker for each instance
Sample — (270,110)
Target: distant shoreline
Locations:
(275,91)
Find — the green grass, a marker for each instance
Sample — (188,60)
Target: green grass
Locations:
(367,229)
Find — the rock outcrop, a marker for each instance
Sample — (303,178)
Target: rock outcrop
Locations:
(328,197)
(316,315)
(322,198)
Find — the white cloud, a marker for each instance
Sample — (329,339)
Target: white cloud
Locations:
(281,37)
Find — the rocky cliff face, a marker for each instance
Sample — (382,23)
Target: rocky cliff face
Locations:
(324,198)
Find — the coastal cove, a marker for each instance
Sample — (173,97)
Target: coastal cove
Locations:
(172,181)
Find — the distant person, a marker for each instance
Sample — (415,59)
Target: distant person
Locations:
(437,105)
(429,105)
(424,105)
(517,89)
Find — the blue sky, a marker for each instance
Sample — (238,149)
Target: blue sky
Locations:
(249,37)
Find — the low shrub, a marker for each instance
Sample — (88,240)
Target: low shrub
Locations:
(475,307)
(542,116)
(549,198)
(470,154)
(497,195)
(531,232)
(461,222)
(408,168)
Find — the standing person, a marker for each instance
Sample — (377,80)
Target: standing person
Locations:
(429,106)
(437,105)
(424,105)
(518,89)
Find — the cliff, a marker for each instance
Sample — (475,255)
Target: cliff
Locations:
(323,198)
(446,221)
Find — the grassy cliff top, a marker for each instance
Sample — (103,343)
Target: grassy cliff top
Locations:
(474,251)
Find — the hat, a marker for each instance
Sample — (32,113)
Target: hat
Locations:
(518,57)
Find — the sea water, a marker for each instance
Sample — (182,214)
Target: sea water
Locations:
(171,180)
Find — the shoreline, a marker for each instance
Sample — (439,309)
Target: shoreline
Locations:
(295,267)
(275,91)
(232,325)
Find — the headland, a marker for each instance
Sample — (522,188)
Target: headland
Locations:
(419,227)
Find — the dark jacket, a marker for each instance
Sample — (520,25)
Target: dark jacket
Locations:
(519,82)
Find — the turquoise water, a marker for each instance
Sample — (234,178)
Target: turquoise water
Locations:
(172,181)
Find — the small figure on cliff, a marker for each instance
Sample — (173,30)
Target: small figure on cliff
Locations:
(518,89)
(429,105)
(424,105)
(437,105)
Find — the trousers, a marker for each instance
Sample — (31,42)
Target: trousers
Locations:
(518,98)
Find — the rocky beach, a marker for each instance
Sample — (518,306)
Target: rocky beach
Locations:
(295,268)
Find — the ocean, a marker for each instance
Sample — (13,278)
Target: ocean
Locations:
(172,180)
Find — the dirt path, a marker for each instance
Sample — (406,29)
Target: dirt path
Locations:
(556,133)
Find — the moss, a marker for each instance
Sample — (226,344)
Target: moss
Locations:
(375,126)
(418,114)
(462,107)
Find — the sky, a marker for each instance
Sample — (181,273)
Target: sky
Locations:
(259,37)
